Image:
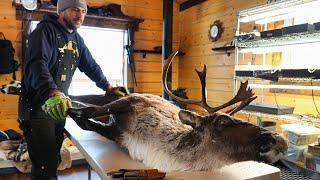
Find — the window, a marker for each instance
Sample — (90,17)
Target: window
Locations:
(106,46)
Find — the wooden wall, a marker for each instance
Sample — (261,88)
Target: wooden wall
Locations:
(190,35)
(194,40)
(12,30)
(149,35)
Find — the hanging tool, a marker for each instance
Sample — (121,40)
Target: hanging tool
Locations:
(129,48)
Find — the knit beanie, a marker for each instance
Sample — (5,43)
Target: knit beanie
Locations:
(65,4)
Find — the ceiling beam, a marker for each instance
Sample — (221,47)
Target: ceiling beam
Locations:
(188,4)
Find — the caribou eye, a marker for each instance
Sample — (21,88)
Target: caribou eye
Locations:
(223,120)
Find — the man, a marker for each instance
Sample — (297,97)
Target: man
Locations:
(54,51)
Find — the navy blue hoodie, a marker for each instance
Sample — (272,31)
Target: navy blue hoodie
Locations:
(42,55)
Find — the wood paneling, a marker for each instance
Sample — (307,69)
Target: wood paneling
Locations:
(149,35)
(12,31)
(190,34)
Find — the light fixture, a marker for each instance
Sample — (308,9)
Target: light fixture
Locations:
(281,86)
(280,8)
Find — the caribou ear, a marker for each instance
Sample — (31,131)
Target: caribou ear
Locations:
(190,118)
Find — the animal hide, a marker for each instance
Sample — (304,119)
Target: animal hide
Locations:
(163,136)
(168,138)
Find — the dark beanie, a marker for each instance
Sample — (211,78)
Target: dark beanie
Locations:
(65,4)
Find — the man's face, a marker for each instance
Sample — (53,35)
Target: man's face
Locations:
(73,17)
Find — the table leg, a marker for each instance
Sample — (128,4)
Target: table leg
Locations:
(89,172)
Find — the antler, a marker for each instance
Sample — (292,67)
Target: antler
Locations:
(244,94)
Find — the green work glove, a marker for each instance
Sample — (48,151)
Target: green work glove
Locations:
(56,107)
(118,91)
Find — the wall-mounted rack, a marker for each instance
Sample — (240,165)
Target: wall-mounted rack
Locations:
(144,52)
(225,49)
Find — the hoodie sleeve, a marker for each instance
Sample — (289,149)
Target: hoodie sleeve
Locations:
(41,48)
(89,66)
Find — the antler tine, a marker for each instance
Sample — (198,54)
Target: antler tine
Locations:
(243,104)
(243,93)
(165,84)
(202,76)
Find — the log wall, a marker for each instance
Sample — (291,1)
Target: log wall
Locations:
(190,35)
(149,35)
(194,40)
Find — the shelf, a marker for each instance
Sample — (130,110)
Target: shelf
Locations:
(300,168)
(225,49)
(278,8)
(304,119)
(90,20)
(144,52)
(276,74)
(269,109)
(291,39)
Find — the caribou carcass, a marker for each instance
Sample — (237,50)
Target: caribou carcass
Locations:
(165,137)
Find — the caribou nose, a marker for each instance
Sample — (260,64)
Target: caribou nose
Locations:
(265,141)
(282,144)
(272,147)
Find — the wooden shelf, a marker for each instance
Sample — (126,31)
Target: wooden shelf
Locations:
(90,19)
(144,52)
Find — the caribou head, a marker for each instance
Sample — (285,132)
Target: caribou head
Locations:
(163,136)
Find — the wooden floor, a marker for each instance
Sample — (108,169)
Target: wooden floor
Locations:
(79,172)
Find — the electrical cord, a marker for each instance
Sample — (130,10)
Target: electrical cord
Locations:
(314,102)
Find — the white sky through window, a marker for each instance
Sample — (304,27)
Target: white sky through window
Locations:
(106,46)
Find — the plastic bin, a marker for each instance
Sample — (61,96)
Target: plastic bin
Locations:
(312,162)
(299,134)
(295,153)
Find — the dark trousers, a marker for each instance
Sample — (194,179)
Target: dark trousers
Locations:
(44,139)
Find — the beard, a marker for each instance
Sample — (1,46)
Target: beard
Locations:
(70,24)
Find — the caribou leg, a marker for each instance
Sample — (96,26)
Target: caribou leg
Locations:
(109,131)
(82,116)
(119,106)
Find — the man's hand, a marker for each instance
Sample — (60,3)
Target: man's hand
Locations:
(118,91)
(56,107)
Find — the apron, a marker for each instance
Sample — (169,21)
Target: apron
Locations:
(44,137)
(67,63)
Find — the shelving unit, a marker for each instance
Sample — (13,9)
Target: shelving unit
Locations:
(276,49)
(252,50)
(292,39)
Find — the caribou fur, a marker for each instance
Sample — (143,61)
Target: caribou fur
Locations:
(165,137)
